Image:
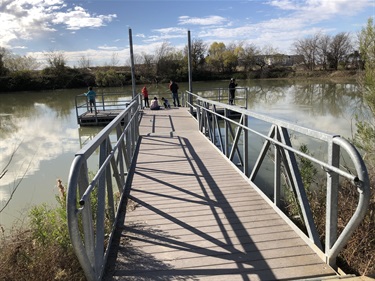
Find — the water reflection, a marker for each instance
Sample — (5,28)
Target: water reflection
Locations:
(328,107)
(44,125)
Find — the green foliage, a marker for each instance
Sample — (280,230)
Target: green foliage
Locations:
(49,225)
(44,251)
(308,174)
(109,78)
(365,135)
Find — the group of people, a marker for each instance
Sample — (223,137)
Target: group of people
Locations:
(173,87)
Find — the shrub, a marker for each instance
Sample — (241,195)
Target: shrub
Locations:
(43,252)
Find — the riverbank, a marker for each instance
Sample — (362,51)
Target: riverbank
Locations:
(121,76)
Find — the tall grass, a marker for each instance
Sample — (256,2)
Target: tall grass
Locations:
(43,251)
(358,256)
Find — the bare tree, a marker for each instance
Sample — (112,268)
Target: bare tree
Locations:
(56,59)
(198,53)
(21,63)
(3,69)
(115,59)
(339,48)
(308,48)
(323,50)
(17,184)
(247,56)
(84,62)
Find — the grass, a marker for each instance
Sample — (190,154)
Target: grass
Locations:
(358,256)
(41,252)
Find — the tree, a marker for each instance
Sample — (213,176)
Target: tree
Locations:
(114,59)
(216,56)
(3,69)
(84,62)
(308,48)
(365,135)
(146,68)
(246,56)
(339,48)
(198,54)
(20,63)
(323,50)
(56,60)
(366,40)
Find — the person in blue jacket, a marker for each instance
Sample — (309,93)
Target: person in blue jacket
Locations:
(91,99)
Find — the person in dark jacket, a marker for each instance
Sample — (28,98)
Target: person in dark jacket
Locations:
(173,87)
(232,90)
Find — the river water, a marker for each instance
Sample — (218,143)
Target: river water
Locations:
(39,134)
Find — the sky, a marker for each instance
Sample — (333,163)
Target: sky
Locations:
(98,30)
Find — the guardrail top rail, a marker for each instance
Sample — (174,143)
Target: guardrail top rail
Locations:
(236,140)
(91,202)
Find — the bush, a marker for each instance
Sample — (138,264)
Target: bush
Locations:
(43,252)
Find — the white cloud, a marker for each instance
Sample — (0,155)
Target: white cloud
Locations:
(210,20)
(78,18)
(28,19)
(167,34)
(108,48)
(321,9)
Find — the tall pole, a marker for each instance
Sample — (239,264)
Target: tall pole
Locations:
(190,73)
(132,62)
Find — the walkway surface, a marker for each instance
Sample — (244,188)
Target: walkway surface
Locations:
(192,216)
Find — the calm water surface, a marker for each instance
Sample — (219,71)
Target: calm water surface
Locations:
(40,130)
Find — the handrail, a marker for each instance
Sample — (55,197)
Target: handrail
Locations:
(210,113)
(104,101)
(91,207)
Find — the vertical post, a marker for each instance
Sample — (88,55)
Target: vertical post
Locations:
(332,200)
(132,61)
(246,147)
(190,73)
(277,174)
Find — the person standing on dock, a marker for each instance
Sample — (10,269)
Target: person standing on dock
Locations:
(91,95)
(232,89)
(173,87)
(145,96)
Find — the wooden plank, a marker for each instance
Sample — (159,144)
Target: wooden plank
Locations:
(195,217)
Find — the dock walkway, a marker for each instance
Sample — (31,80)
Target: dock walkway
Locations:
(193,216)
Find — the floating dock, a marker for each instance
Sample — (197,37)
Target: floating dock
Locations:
(98,119)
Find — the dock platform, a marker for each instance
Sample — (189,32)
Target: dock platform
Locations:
(191,215)
(102,118)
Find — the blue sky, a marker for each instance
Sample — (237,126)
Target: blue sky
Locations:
(99,29)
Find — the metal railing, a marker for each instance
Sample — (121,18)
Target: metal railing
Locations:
(248,149)
(104,102)
(91,202)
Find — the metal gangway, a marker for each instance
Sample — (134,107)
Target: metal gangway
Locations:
(94,202)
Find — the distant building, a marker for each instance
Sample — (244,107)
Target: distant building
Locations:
(279,60)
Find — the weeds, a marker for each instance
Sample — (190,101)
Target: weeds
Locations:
(358,256)
(42,252)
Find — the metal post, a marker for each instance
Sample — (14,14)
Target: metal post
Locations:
(332,199)
(132,62)
(190,73)
(246,147)
(277,173)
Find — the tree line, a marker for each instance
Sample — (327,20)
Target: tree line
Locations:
(209,62)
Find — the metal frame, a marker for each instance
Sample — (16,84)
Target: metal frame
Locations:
(208,114)
(86,222)
(104,101)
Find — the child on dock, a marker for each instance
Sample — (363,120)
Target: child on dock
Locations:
(145,96)
(166,103)
(91,99)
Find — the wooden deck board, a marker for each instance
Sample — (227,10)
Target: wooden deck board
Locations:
(195,217)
